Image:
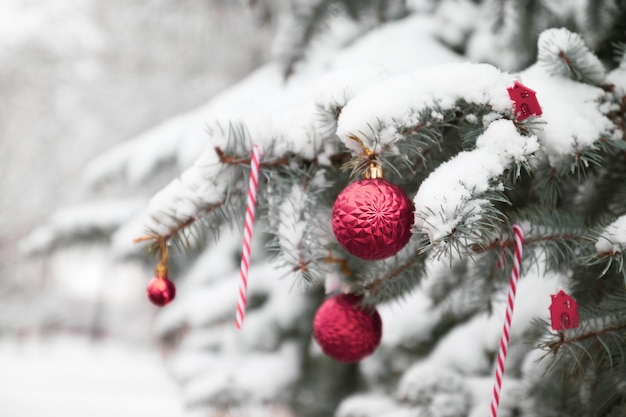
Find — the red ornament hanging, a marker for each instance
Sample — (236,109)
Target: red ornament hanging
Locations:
(161,291)
(344,330)
(372,217)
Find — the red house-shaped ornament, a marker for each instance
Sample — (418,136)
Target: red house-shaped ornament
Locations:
(526,103)
(563,312)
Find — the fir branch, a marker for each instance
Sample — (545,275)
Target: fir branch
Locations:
(565,54)
(178,229)
(240,160)
(423,144)
(562,233)
(618,117)
(341,262)
(479,248)
(555,238)
(603,196)
(337,159)
(610,253)
(619,50)
(568,62)
(556,183)
(611,260)
(296,200)
(464,287)
(392,277)
(327,117)
(373,286)
(470,226)
(597,345)
(554,346)
(223,182)
(529,126)
(302,266)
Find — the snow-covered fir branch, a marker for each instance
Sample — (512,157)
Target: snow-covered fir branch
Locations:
(565,54)
(451,197)
(380,114)
(612,239)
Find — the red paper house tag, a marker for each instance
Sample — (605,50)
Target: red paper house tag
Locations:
(563,312)
(526,103)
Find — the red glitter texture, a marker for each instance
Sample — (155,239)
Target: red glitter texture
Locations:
(161,291)
(345,331)
(372,219)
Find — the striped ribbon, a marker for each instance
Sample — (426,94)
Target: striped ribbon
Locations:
(504,340)
(253,185)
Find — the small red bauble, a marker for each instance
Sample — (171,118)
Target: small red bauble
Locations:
(372,218)
(161,291)
(344,330)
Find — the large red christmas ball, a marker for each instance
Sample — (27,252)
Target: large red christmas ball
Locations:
(344,330)
(161,291)
(372,219)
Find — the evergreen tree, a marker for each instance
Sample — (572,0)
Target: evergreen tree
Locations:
(448,133)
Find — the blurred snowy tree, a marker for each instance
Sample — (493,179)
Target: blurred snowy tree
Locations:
(447,132)
(98,73)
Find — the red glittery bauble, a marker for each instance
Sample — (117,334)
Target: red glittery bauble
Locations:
(372,219)
(161,291)
(345,331)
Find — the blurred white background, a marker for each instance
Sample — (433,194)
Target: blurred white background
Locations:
(76,78)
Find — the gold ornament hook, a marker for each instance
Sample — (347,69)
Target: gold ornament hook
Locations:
(367,152)
(161,269)
(375,171)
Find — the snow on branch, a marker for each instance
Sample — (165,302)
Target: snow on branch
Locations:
(380,114)
(225,379)
(300,241)
(196,190)
(430,388)
(367,405)
(336,89)
(454,192)
(617,77)
(214,184)
(575,114)
(220,365)
(612,240)
(283,117)
(564,53)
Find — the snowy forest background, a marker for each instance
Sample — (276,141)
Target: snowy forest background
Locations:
(76,78)
(106,105)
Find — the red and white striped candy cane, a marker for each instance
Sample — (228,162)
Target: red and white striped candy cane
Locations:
(504,340)
(253,185)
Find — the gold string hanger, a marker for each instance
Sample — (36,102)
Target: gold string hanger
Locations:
(375,169)
(161,269)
